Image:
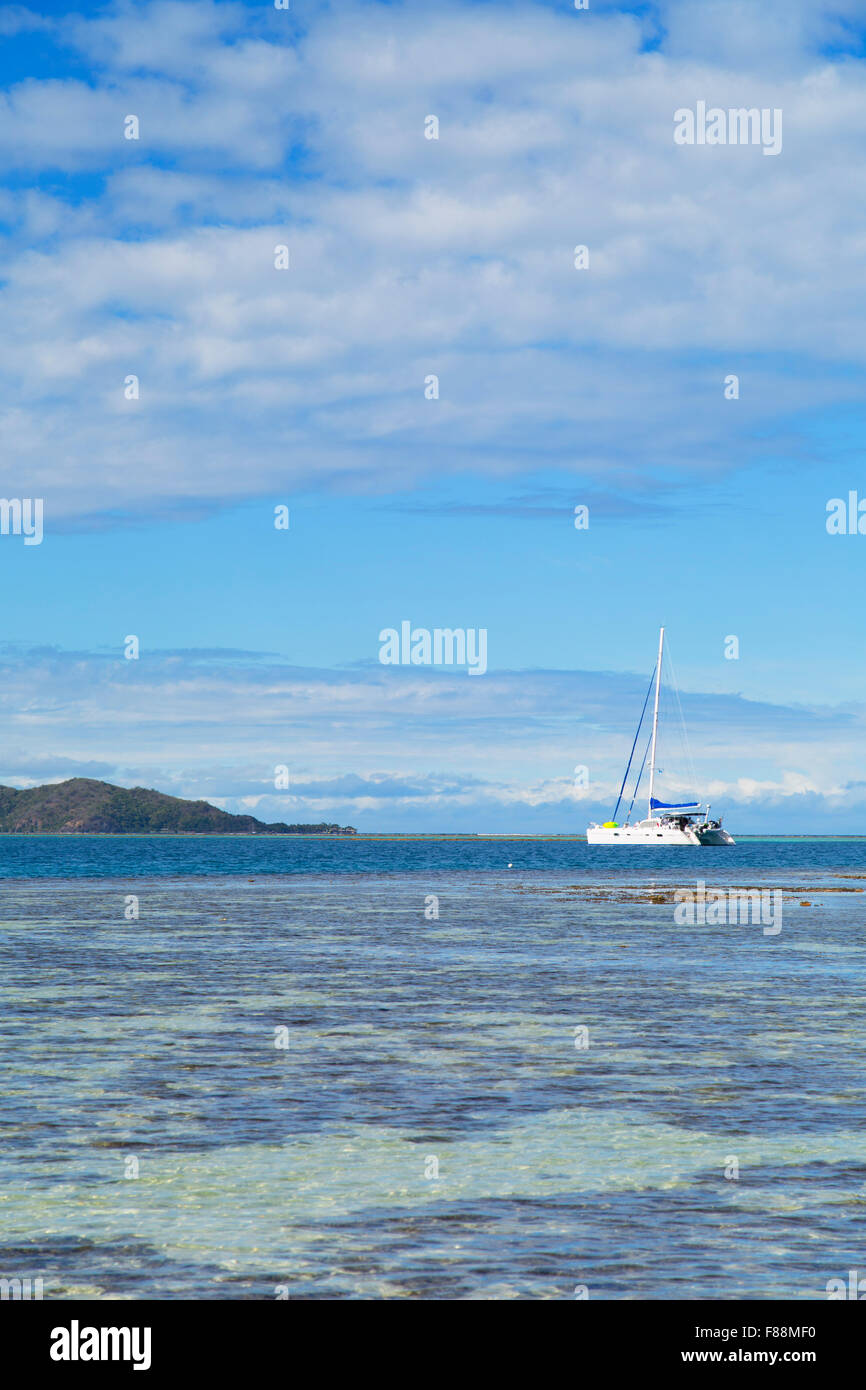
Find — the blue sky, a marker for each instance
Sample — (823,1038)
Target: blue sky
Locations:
(557,387)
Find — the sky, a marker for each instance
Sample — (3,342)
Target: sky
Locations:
(152,259)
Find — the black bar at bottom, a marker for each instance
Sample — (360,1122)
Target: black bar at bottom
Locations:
(76,1338)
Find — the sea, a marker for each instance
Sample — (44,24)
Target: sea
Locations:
(255,1067)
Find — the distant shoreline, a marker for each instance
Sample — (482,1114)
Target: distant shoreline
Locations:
(343,836)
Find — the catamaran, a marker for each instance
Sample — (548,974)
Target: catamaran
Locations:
(667,822)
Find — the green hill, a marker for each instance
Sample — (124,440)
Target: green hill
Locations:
(84,806)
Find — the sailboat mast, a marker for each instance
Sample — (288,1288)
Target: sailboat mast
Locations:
(655,724)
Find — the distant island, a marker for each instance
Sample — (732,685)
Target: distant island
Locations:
(84,806)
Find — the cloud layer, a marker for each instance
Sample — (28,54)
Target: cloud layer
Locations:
(388,748)
(411,257)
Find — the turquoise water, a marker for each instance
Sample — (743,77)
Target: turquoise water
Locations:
(106,856)
(309,1170)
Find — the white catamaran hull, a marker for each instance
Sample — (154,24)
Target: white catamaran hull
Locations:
(656,833)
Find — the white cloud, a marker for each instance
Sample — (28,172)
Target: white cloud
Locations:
(412,256)
(17,19)
(402,747)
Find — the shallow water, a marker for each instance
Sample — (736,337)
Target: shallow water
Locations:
(310,1169)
